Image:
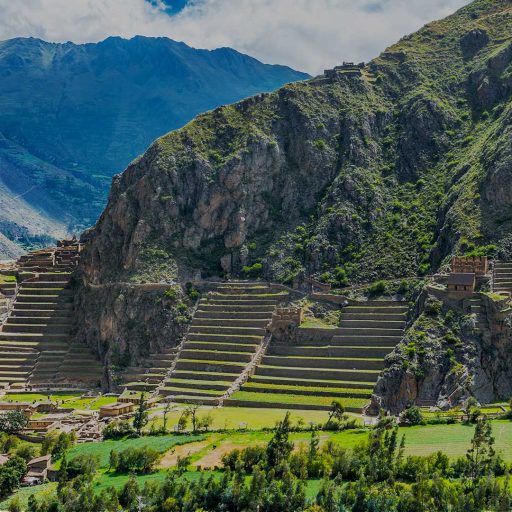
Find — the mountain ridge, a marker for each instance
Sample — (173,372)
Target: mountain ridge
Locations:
(88,110)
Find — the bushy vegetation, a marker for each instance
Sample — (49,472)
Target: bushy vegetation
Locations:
(376,475)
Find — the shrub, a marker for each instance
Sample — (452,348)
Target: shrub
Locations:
(254,270)
(320,144)
(412,416)
(86,464)
(137,459)
(433,308)
(377,288)
(172,293)
(118,429)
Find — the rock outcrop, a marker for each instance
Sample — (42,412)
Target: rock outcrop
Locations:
(447,357)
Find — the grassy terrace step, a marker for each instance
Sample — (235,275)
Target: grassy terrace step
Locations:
(215,329)
(230,322)
(321,363)
(306,390)
(202,400)
(241,302)
(375,310)
(368,331)
(395,317)
(225,338)
(36,328)
(211,366)
(49,307)
(217,355)
(329,351)
(206,345)
(366,341)
(197,384)
(237,308)
(203,375)
(182,391)
(375,324)
(40,319)
(247,396)
(320,373)
(261,315)
(32,336)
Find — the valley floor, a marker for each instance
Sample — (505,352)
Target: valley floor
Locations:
(205,450)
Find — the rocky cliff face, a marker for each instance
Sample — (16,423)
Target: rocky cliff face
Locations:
(352,177)
(448,356)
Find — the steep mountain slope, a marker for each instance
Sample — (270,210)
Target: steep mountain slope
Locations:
(381,174)
(71,115)
(358,175)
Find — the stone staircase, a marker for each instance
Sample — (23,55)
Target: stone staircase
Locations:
(502,277)
(476,308)
(228,327)
(36,342)
(310,375)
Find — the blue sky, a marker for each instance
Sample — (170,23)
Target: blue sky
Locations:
(309,35)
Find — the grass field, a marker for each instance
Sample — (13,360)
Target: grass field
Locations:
(159,443)
(282,398)
(38,397)
(72,401)
(232,418)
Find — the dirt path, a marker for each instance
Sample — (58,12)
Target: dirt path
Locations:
(170,459)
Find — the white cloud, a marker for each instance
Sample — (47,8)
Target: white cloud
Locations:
(306,34)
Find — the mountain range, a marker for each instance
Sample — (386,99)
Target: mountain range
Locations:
(72,116)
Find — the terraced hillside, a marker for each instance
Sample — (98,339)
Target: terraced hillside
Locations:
(228,330)
(151,373)
(36,342)
(345,368)
(502,278)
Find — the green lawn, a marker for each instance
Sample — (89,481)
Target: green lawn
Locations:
(297,399)
(68,400)
(38,397)
(256,419)
(159,443)
(24,494)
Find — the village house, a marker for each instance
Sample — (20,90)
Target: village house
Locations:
(461,285)
(38,470)
(25,407)
(117,409)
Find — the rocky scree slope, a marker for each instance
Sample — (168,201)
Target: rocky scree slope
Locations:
(351,179)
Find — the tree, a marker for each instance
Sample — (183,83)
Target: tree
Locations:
(13,422)
(26,451)
(481,455)
(168,407)
(205,422)
(279,447)
(337,411)
(140,420)
(11,475)
(183,420)
(113,460)
(193,409)
(63,443)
